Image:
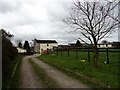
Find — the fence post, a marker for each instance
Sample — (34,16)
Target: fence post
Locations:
(88,55)
(61,51)
(107,56)
(68,52)
(57,51)
(76,54)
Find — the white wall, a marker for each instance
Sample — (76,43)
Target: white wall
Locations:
(104,46)
(110,45)
(50,46)
(36,47)
(20,50)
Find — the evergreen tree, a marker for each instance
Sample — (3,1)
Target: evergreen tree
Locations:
(78,44)
(20,45)
(26,46)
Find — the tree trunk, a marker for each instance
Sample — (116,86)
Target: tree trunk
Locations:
(95,56)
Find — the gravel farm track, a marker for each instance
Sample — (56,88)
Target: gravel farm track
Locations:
(30,80)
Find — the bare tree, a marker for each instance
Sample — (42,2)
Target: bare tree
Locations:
(93,21)
(117,18)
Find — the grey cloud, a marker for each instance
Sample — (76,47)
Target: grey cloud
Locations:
(8,6)
(36,19)
(59,10)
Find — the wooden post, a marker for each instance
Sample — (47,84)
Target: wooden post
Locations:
(57,51)
(68,52)
(61,51)
(107,56)
(76,54)
(88,55)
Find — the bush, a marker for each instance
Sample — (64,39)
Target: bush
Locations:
(9,54)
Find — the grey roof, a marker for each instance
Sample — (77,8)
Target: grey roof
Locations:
(45,41)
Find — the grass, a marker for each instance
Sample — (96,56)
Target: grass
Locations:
(104,76)
(42,75)
(10,80)
(15,80)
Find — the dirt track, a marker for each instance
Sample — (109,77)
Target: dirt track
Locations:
(63,80)
(30,80)
(28,77)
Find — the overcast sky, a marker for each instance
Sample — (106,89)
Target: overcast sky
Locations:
(40,19)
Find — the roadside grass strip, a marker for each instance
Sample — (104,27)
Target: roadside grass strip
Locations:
(15,81)
(106,76)
(42,75)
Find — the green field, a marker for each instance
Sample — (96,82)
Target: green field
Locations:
(104,76)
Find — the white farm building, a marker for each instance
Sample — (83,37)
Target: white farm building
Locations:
(41,46)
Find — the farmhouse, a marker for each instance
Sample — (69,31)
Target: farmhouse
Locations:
(44,46)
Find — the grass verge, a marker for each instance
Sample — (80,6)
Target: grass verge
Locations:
(104,76)
(15,80)
(42,75)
